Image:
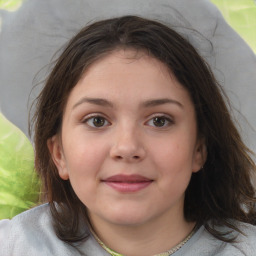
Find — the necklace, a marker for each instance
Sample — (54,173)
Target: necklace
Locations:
(167,253)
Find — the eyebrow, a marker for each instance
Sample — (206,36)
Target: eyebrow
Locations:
(157,102)
(94,101)
(146,104)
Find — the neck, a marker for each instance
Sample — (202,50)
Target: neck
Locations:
(143,240)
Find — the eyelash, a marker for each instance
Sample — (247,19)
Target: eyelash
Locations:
(167,121)
(93,117)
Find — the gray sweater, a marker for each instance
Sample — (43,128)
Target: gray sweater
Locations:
(31,234)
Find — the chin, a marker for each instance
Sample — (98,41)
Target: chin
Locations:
(128,218)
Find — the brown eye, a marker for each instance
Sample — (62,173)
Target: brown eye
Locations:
(97,121)
(159,121)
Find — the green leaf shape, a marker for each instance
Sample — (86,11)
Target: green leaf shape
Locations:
(19,183)
(10,5)
(241,15)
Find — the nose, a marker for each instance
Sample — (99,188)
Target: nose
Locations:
(128,146)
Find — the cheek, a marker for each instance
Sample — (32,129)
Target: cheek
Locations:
(84,162)
(174,171)
(173,152)
(84,157)
(173,159)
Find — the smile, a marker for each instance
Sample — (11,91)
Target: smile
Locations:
(127,183)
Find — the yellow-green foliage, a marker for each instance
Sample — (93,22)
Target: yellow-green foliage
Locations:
(10,5)
(19,184)
(241,15)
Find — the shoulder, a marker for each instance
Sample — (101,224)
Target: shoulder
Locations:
(31,233)
(203,243)
(29,221)
(246,242)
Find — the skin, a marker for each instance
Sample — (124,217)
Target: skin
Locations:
(133,89)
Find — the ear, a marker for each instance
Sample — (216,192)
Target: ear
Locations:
(200,155)
(56,151)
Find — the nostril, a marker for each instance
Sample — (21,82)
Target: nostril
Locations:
(134,157)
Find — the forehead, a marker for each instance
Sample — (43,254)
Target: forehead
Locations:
(128,74)
(123,57)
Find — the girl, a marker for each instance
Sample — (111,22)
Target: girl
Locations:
(137,152)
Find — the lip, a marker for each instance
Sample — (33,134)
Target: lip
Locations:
(127,183)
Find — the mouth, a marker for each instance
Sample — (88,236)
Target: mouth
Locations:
(127,183)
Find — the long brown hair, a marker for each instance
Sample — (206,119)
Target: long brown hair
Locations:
(218,194)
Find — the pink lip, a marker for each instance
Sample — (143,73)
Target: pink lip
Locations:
(127,183)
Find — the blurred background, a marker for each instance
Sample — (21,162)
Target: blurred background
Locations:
(241,15)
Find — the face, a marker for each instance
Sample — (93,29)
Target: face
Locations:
(129,142)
